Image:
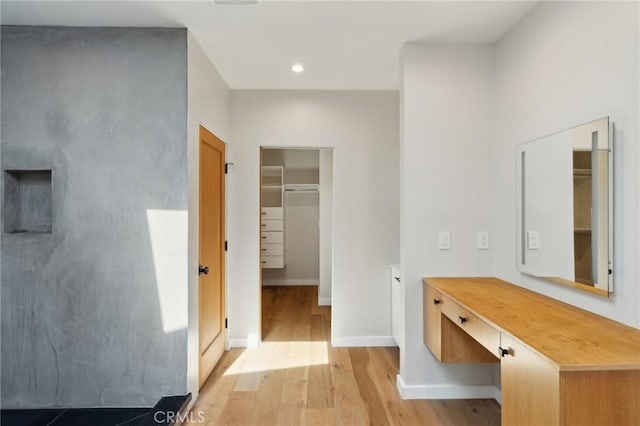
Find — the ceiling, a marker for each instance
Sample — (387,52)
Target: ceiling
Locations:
(344,45)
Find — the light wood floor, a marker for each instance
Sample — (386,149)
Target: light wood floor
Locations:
(297,378)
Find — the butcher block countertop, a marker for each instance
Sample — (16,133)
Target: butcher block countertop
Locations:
(570,337)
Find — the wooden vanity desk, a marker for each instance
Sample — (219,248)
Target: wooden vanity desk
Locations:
(560,365)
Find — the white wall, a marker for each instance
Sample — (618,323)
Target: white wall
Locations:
(445,185)
(326,225)
(464,111)
(565,64)
(363,129)
(208,105)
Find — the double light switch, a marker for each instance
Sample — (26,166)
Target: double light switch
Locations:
(444,240)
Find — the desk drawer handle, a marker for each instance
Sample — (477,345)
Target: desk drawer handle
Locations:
(436,301)
(503,352)
(462,319)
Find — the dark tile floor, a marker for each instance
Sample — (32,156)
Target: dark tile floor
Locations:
(97,416)
(74,417)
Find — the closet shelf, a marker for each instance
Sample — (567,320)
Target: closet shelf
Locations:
(581,172)
(582,230)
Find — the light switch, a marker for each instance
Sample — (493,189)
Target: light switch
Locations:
(482,241)
(444,240)
(533,240)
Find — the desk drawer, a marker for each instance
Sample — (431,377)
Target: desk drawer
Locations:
(482,332)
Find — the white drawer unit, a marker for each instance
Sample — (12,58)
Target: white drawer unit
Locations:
(272,237)
(272,218)
(272,250)
(272,262)
(272,225)
(271,213)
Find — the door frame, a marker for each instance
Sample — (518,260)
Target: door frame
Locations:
(259,215)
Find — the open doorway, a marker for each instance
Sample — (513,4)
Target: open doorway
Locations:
(296,227)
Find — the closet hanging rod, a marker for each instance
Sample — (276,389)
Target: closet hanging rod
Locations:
(301,187)
(301,190)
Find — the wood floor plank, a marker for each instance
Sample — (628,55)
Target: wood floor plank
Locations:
(320,390)
(248,382)
(297,378)
(463,412)
(368,388)
(349,405)
(319,417)
(216,390)
(238,410)
(294,397)
(268,398)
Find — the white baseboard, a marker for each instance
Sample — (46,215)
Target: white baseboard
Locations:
(238,342)
(290,282)
(243,342)
(445,391)
(363,341)
(324,301)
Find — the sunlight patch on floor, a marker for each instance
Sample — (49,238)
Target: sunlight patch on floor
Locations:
(280,355)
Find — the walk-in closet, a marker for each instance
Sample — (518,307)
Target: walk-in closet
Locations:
(296,206)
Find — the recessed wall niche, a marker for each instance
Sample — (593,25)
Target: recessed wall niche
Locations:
(27,201)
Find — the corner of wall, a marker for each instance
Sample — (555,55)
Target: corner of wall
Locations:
(208,104)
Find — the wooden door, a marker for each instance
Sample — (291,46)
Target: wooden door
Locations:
(432,322)
(211,252)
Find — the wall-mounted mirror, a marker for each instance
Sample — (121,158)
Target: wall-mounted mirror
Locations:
(564,211)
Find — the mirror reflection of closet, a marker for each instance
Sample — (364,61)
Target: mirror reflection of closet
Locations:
(564,193)
(582,201)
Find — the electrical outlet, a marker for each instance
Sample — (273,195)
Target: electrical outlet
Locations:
(533,240)
(444,240)
(482,241)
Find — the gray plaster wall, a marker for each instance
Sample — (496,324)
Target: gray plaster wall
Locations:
(105,109)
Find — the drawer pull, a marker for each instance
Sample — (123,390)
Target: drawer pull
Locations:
(462,319)
(264,212)
(503,352)
(264,224)
(263,249)
(264,261)
(264,238)
(436,301)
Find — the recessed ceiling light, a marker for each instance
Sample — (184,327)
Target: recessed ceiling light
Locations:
(297,68)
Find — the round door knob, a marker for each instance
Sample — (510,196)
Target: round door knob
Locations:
(203,270)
